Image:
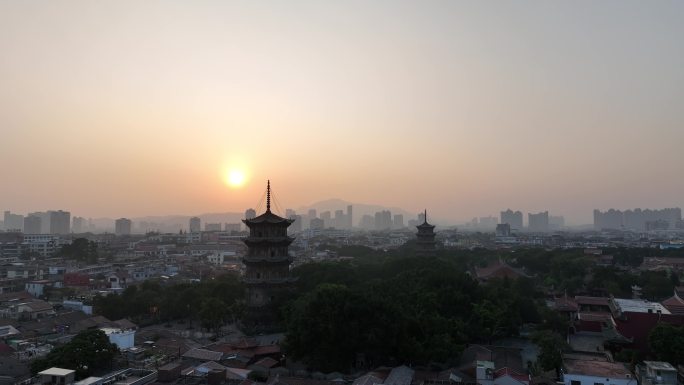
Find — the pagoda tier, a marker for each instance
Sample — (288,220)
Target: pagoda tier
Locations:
(267,266)
(270,281)
(425,238)
(266,259)
(268,242)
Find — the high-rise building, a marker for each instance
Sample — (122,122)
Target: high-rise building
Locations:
(267,266)
(312,214)
(367,222)
(327,219)
(339,222)
(513,218)
(78,225)
(383,220)
(250,213)
(488,222)
(233,227)
(14,221)
(122,226)
(398,222)
(538,222)
(32,224)
(44,221)
(212,227)
(290,213)
(425,243)
(296,224)
(350,217)
(556,222)
(503,230)
(636,219)
(60,222)
(195,225)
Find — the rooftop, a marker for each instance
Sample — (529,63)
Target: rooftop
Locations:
(660,365)
(596,368)
(56,372)
(640,306)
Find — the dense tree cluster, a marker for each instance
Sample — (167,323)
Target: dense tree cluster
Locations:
(212,302)
(88,352)
(80,249)
(574,272)
(397,308)
(667,341)
(393,307)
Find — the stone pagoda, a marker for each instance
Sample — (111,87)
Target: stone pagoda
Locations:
(267,266)
(425,244)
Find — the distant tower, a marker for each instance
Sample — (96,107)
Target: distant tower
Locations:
(425,245)
(195,225)
(267,263)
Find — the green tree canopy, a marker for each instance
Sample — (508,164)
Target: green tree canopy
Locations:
(88,352)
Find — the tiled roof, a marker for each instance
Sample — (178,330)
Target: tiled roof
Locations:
(498,269)
(266,362)
(203,354)
(583,300)
(603,369)
(367,379)
(510,372)
(401,375)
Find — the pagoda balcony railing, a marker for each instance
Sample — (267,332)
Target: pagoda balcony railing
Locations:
(267,259)
(267,238)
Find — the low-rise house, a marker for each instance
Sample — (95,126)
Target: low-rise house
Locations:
(202,355)
(57,376)
(656,373)
(118,280)
(13,370)
(586,371)
(122,338)
(27,310)
(37,288)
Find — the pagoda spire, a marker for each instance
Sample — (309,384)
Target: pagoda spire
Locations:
(268,196)
(425,217)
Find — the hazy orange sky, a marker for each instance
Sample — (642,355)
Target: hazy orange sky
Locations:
(130,108)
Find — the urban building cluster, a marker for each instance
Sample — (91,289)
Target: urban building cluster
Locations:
(46,298)
(513,220)
(639,220)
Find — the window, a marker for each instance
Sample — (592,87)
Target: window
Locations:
(598,383)
(574,382)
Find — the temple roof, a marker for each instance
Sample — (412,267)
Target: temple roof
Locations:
(268,217)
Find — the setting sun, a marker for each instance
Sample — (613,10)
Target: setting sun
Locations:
(236,178)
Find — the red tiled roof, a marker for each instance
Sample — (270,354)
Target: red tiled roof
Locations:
(565,304)
(498,269)
(638,326)
(267,362)
(508,371)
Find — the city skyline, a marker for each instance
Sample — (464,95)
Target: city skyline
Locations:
(132,109)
